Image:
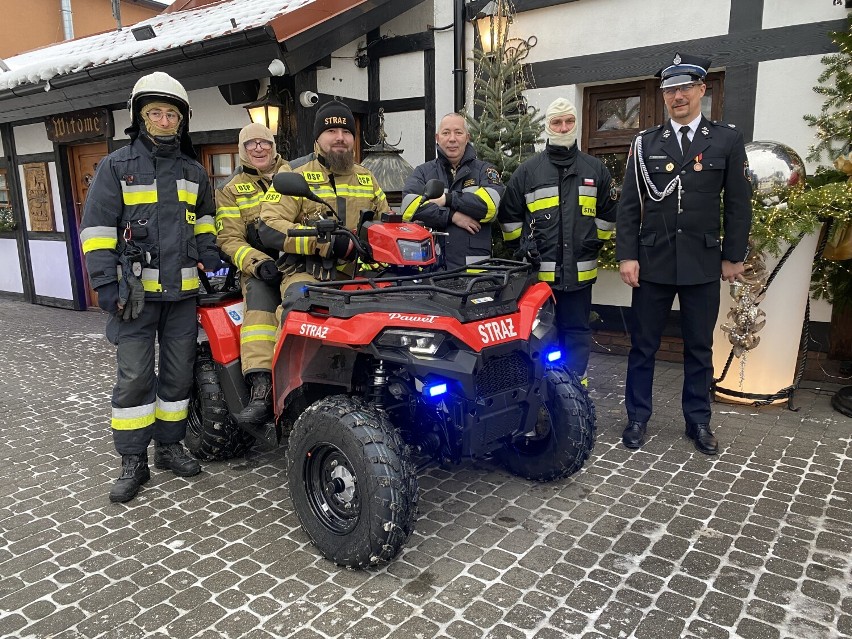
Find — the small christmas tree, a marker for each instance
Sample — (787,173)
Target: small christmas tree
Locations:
(504,129)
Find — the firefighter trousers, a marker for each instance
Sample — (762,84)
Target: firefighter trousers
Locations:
(572,322)
(257,334)
(146,404)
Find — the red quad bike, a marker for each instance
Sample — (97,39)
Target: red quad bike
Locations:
(404,361)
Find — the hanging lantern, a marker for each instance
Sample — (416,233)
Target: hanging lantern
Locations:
(492,24)
(266,111)
(386,163)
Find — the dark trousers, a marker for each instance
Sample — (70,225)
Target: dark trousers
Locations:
(699,309)
(148,405)
(572,322)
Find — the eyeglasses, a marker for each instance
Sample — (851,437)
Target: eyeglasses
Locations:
(685,89)
(257,144)
(156,114)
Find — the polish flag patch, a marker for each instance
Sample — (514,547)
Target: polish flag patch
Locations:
(588,182)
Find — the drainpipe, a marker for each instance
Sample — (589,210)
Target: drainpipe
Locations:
(67,20)
(458,55)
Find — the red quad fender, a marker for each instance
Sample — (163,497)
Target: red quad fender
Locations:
(222,324)
(303,335)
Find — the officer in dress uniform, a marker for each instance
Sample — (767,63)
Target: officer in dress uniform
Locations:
(668,243)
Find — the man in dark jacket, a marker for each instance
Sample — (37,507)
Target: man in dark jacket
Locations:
(147,228)
(558,210)
(668,243)
(471,198)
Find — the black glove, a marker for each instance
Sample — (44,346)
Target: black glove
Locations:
(321,268)
(131,293)
(529,254)
(268,272)
(211,261)
(108,297)
(342,247)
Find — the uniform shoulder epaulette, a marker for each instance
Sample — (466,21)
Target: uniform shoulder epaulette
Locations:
(295,164)
(650,129)
(724,124)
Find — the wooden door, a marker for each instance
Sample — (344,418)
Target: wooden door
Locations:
(83,161)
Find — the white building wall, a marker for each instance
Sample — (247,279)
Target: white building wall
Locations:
(782,13)
(51,275)
(344,79)
(10,268)
(32,138)
(210,112)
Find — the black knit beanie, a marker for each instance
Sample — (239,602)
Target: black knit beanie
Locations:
(333,115)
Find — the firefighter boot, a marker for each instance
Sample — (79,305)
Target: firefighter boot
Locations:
(174,458)
(134,473)
(259,409)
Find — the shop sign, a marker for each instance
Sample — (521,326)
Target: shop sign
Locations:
(80,125)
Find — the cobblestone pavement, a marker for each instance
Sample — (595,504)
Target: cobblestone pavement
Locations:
(660,543)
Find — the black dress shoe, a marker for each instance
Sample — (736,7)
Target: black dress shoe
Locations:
(704,440)
(634,435)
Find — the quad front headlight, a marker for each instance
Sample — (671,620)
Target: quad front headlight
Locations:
(422,343)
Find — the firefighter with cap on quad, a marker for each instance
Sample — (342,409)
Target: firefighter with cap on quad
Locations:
(333,175)
(147,228)
(669,243)
(558,210)
(237,218)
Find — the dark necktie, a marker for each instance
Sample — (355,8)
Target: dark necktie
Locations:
(684,140)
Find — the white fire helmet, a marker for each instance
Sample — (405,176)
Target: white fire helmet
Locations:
(162,84)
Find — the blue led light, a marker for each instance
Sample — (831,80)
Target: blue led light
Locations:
(433,390)
(553,356)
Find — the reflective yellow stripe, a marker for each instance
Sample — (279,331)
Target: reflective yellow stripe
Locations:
(132,198)
(247,203)
(204,228)
(547,276)
(483,194)
(544,203)
(588,205)
(151,286)
(411,209)
(585,276)
(240,255)
(189,283)
(99,243)
(133,418)
(604,235)
(187,197)
(512,235)
(172,411)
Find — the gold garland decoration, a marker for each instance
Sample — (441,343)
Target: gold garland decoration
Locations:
(746,318)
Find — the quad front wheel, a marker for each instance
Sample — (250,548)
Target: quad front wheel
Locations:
(211,434)
(564,432)
(351,481)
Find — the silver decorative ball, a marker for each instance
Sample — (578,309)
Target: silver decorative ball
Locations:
(774,169)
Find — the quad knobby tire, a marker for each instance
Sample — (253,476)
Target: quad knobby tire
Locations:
(351,481)
(211,434)
(564,433)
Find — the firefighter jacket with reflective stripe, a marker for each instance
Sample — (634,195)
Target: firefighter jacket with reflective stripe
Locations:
(160,199)
(347,194)
(473,188)
(238,214)
(564,212)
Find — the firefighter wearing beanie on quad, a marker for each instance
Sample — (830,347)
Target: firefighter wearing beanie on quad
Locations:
(332,174)
(147,228)
(559,208)
(237,218)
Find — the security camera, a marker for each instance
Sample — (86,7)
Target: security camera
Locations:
(308,98)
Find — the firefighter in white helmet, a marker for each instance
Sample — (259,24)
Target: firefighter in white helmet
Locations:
(147,228)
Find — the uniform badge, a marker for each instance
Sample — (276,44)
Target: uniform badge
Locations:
(676,59)
(705,130)
(468,183)
(733,126)
(588,182)
(698,166)
(670,166)
(613,191)
(492,175)
(666,134)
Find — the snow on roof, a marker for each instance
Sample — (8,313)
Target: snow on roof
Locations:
(172,30)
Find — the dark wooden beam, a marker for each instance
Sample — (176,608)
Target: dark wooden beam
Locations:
(741,47)
(429,114)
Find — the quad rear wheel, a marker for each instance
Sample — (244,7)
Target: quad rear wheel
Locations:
(564,433)
(351,482)
(211,434)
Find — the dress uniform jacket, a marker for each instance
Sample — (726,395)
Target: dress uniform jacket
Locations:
(238,215)
(160,199)
(566,213)
(678,242)
(474,188)
(348,194)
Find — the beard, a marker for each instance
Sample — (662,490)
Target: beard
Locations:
(340,161)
